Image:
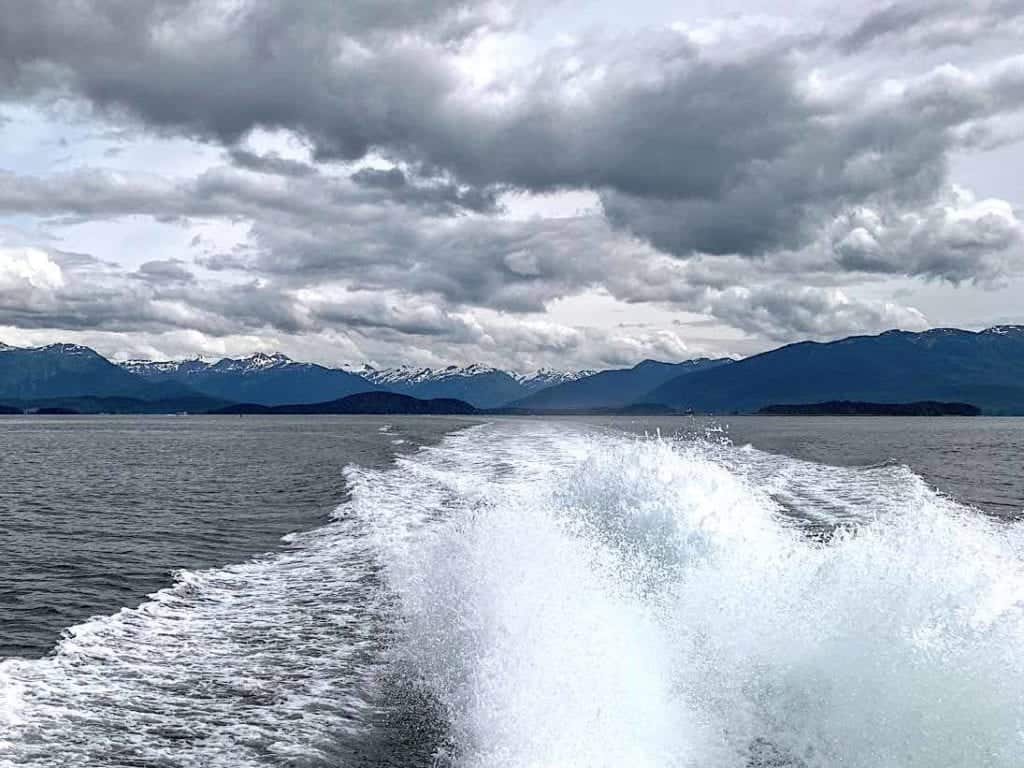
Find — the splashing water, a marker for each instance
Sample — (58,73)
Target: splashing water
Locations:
(538,595)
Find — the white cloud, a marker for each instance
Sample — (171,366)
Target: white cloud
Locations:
(28,268)
(958,238)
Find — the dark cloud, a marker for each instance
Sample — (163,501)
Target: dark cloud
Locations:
(442,195)
(347,74)
(269,163)
(693,150)
(733,181)
(935,24)
(165,271)
(225,192)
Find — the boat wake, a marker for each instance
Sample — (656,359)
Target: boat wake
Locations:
(552,595)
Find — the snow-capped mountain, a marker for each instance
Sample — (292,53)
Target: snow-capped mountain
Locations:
(252,364)
(407,374)
(257,363)
(612,388)
(165,369)
(71,370)
(543,378)
(263,379)
(481,385)
(984,368)
(275,379)
(1005,330)
(68,349)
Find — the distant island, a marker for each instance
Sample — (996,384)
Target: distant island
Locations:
(855,408)
(367,403)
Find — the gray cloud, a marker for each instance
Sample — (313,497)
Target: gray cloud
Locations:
(731,181)
(784,312)
(269,163)
(92,302)
(958,239)
(663,127)
(337,70)
(416,302)
(935,24)
(690,149)
(165,271)
(444,196)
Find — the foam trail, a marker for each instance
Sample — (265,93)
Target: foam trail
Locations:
(552,595)
(606,602)
(271,662)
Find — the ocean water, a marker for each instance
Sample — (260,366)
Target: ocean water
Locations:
(977,461)
(569,593)
(99,512)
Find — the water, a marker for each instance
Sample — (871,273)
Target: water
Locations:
(531,593)
(978,461)
(98,512)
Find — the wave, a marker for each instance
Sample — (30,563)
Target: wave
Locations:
(552,595)
(605,601)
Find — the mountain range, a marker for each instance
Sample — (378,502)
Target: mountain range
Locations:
(615,388)
(479,385)
(70,370)
(261,379)
(983,368)
(271,380)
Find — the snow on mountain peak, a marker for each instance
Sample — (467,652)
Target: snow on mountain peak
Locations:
(1005,330)
(260,361)
(264,360)
(407,374)
(166,366)
(68,349)
(549,377)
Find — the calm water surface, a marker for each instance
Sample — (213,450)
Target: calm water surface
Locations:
(97,512)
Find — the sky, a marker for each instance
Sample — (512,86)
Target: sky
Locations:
(521,183)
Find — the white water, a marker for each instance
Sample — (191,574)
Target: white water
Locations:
(568,598)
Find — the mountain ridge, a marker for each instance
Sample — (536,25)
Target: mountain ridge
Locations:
(984,368)
(234,379)
(260,378)
(614,388)
(72,370)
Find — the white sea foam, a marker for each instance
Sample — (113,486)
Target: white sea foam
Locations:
(253,664)
(603,601)
(568,597)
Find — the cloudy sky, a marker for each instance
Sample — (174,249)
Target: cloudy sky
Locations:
(526,183)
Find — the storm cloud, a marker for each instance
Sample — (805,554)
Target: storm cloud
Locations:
(754,182)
